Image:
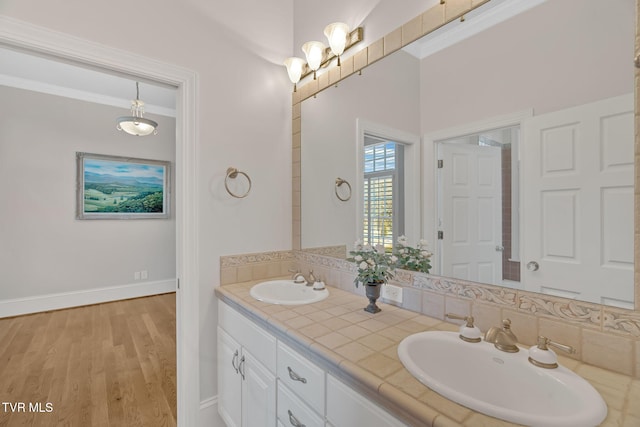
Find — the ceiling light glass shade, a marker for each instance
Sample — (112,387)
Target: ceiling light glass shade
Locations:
(337,34)
(135,124)
(294,68)
(314,51)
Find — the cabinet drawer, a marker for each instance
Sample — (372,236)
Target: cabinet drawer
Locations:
(292,412)
(255,339)
(301,376)
(347,408)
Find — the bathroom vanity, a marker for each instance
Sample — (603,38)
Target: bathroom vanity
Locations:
(332,364)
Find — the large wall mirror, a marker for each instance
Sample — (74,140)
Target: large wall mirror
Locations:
(510,151)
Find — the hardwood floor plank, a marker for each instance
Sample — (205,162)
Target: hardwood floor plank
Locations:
(110,364)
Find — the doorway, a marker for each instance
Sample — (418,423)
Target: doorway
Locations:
(477,205)
(40,41)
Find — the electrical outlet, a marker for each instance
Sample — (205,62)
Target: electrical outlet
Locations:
(136,275)
(144,275)
(392,293)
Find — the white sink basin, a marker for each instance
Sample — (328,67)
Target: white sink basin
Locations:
(503,385)
(286,292)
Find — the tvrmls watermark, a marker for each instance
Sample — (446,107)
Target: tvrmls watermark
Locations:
(39,407)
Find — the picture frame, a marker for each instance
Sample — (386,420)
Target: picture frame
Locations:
(116,187)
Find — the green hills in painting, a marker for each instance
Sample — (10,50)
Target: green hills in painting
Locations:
(111,194)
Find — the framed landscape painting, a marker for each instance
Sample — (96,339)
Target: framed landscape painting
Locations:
(112,187)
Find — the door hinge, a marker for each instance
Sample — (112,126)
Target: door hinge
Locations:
(178,283)
(440,164)
(440,235)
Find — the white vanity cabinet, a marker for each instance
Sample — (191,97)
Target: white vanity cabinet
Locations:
(246,371)
(264,382)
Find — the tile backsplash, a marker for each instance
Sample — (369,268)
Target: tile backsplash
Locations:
(603,336)
(245,267)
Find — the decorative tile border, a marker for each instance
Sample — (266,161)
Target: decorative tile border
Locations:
(589,315)
(339,251)
(256,258)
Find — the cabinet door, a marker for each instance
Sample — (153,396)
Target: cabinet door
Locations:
(229,384)
(258,393)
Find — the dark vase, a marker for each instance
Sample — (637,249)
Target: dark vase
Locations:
(372,291)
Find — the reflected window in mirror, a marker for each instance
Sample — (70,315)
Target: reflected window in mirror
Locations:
(383,191)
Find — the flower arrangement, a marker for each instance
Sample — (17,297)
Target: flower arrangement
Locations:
(374,264)
(409,258)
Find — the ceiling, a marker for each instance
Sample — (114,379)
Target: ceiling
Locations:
(48,75)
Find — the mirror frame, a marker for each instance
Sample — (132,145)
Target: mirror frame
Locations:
(429,21)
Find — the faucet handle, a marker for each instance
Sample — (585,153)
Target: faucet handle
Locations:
(468,332)
(540,355)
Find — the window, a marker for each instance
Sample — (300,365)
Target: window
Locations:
(383,191)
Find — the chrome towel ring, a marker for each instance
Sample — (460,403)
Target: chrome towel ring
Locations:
(233,174)
(339,182)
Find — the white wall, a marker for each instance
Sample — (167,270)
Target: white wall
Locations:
(580,54)
(385,94)
(44,249)
(244,111)
(378,17)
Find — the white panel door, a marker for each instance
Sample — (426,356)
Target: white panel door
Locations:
(471,212)
(577,198)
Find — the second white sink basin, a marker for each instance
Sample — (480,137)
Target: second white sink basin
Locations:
(503,385)
(286,292)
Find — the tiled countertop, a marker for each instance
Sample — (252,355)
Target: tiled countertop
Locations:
(362,348)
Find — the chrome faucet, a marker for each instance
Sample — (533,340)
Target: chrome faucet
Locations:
(503,337)
(298,277)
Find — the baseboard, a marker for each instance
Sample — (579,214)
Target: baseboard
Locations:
(20,306)
(208,416)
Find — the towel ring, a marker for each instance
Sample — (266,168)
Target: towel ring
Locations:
(233,174)
(339,182)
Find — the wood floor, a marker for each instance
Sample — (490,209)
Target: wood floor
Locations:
(110,364)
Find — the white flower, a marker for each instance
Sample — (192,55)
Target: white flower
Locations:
(371,261)
(425,254)
(380,249)
(394,259)
(423,243)
(358,245)
(367,247)
(357,258)
(402,240)
(364,265)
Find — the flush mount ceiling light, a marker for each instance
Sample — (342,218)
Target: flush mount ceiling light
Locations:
(135,124)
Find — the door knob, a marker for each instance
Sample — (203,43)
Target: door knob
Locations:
(499,248)
(533,266)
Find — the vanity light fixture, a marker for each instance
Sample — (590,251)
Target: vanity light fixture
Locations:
(314,51)
(318,55)
(135,124)
(295,66)
(337,34)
